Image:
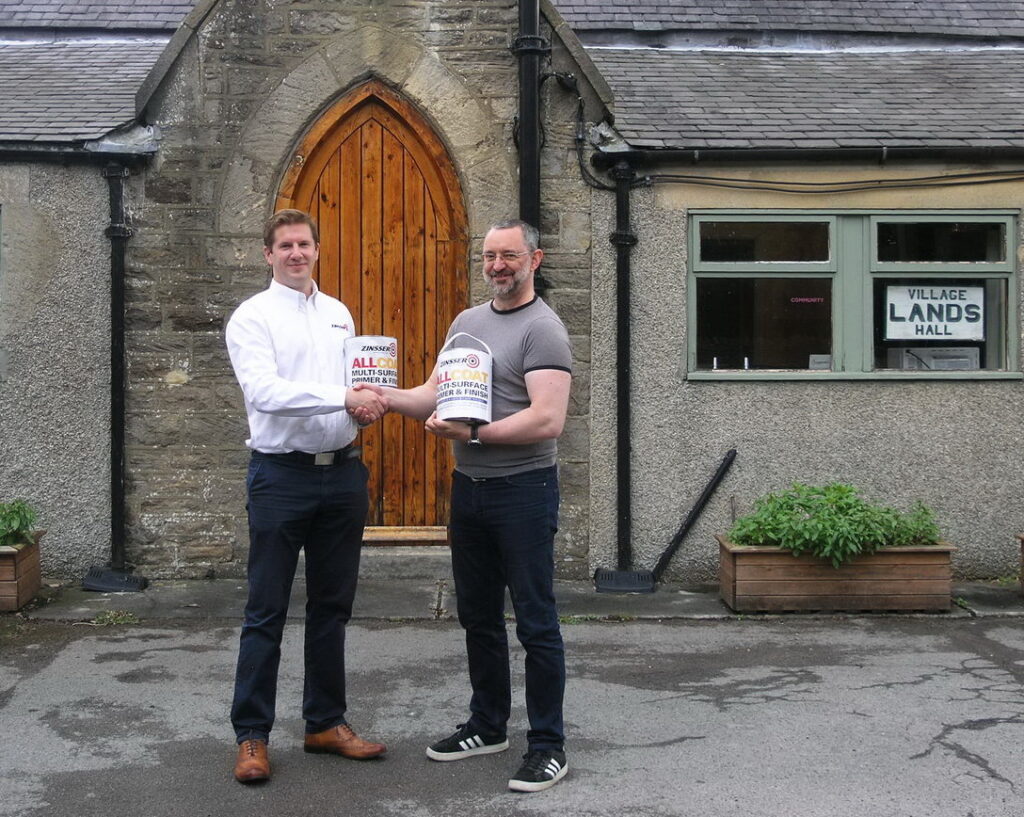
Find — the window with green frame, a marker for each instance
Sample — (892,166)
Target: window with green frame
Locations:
(851,294)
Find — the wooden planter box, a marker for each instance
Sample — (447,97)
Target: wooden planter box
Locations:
(20,576)
(770,579)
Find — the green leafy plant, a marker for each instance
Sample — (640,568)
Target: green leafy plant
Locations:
(17,519)
(833,522)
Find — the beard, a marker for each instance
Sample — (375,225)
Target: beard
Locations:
(511,287)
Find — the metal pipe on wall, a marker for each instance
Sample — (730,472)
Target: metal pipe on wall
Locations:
(118,232)
(623,238)
(116,578)
(528,48)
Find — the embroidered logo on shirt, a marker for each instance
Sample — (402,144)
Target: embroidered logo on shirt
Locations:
(339,326)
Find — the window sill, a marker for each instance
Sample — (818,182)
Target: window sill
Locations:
(778,374)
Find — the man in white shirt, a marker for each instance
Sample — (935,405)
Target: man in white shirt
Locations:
(306,491)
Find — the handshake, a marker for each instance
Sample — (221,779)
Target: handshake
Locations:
(367,403)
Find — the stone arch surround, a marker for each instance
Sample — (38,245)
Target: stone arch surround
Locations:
(473,136)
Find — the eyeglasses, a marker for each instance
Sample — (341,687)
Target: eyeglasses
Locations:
(508,256)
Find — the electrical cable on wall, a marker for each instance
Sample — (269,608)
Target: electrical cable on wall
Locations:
(852,186)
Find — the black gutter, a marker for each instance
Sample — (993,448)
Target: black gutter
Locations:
(529,47)
(68,156)
(640,157)
(623,239)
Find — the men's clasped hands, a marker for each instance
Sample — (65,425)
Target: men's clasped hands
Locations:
(370,404)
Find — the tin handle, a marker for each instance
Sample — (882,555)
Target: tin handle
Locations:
(447,343)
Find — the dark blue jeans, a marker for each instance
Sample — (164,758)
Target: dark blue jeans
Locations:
(503,531)
(294,506)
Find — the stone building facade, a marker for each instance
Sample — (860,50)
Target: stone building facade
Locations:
(231,107)
(863,116)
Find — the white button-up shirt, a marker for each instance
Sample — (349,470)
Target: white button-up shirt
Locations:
(288,354)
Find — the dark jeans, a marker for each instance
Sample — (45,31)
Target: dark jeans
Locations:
(502,531)
(294,506)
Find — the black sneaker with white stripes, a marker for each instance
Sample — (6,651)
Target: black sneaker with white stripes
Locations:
(466,743)
(541,769)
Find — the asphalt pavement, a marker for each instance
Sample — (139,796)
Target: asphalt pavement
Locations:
(674,706)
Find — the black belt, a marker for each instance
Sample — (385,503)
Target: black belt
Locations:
(323,458)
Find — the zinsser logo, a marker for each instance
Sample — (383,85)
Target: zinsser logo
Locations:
(369,348)
(472,361)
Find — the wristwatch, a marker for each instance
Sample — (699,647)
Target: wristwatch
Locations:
(473,438)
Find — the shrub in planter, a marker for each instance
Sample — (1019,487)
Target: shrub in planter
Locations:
(20,575)
(827,548)
(833,522)
(17,520)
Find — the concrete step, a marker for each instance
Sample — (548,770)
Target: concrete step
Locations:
(420,562)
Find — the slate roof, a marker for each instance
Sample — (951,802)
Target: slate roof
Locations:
(70,69)
(163,15)
(744,99)
(71,90)
(963,18)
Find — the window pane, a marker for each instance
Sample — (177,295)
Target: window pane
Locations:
(732,241)
(941,241)
(764,323)
(940,324)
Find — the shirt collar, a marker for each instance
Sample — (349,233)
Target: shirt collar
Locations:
(293,296)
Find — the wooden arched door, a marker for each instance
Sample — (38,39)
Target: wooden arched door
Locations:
(393,248)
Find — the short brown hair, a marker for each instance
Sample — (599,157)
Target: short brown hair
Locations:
(283,217)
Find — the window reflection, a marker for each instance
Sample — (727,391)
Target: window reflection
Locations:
(941,241)
(763,241)
(764,323)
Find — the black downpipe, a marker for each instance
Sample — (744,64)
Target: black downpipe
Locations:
(115,578)
(530,47)
(623,239)
(118,232)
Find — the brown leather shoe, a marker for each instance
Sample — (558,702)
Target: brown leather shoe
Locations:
(253,764)
(341,740)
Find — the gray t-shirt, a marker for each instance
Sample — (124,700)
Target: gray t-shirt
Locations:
(522,340)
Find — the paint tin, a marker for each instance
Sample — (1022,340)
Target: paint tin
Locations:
(464,381)
(371,359)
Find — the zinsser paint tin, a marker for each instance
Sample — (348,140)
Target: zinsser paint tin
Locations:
(464,382)
(371,359)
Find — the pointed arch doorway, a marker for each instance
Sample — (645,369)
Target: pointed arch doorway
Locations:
(393,248)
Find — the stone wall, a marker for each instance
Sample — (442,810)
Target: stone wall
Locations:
(55,357)
(231,110)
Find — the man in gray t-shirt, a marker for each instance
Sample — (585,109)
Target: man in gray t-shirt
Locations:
(505,508)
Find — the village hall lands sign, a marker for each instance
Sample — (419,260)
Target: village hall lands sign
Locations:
(923,312)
